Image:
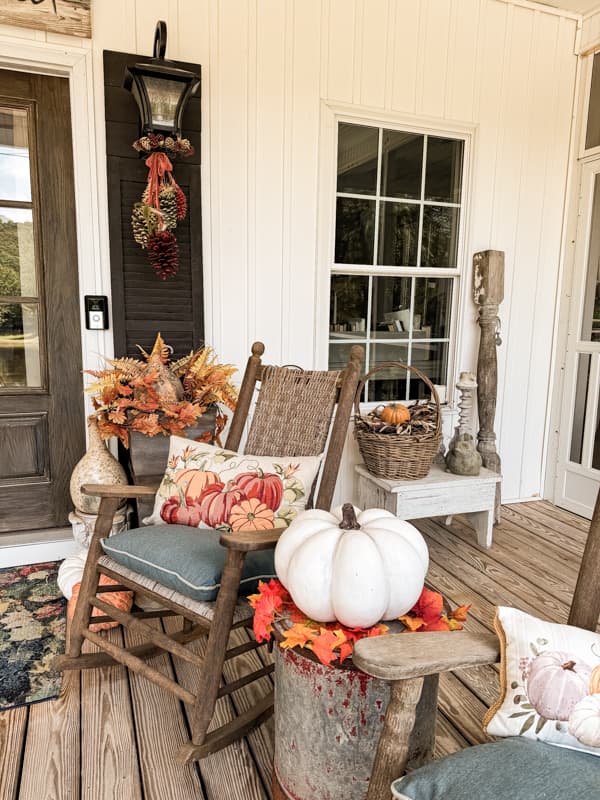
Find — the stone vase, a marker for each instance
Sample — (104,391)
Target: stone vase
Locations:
(98,465)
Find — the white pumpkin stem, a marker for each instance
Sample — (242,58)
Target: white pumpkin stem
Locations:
(349,521)
(570,665)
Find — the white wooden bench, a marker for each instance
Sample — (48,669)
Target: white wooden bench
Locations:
(439,494)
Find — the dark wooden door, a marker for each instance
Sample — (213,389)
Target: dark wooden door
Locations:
(41,403)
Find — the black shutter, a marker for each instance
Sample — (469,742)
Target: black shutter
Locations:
(143,303)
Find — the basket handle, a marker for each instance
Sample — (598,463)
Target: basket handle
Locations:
(407,367)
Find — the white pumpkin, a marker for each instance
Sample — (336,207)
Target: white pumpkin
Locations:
(357,569)
(70,572)
(584,722)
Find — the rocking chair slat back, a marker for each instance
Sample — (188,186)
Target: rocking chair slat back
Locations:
(293,414)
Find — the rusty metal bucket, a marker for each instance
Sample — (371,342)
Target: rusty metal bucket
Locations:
(327,726)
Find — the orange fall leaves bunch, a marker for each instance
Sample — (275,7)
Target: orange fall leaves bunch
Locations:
(331,641)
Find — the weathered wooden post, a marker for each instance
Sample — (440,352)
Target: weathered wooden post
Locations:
(488,293)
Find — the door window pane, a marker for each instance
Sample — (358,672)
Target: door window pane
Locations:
(590,327)
(15,180)
(17,257)
(355,231)
(592,133)
(579,410)
(401,164)
(433,304)
(390,310)
(439,243)
(398,234)
(443,176)
(349,299)
(19,345)
(357,159)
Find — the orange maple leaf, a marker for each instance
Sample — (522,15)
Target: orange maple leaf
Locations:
(438,625)
(345,651)
(429,606)
(324,645)
(453,624)
(147,424)
(460,613)
(297,635)
(378,630)
(412,623)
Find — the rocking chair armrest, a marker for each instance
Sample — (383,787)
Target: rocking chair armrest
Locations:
(118,490)
(403,656)
(247,541)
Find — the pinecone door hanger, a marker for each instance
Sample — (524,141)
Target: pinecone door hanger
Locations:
(163,203)
(161,90)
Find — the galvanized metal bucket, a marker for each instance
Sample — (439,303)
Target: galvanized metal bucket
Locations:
(327,726)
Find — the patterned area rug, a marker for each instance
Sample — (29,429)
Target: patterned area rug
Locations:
(32,633)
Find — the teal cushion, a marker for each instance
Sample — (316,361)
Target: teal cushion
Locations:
(511,769)
(189,560)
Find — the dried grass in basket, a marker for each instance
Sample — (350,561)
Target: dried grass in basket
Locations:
(403,452)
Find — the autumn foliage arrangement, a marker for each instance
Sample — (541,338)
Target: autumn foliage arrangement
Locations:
(159,396)
(332,641)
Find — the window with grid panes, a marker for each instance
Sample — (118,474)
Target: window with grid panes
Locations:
(395,267)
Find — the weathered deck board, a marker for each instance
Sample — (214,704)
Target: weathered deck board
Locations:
(130,728)
(13,724)
(230,774)
(109,761)
(52,746)
(160,730)
(498,584)
(260,739)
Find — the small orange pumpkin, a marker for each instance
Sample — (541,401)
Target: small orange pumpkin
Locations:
(194,481)
(251,515)
(395,414)
(595,680)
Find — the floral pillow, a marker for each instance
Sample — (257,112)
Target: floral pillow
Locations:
(207,487)
(550,677)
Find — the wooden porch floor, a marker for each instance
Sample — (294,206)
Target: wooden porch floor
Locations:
(113,735)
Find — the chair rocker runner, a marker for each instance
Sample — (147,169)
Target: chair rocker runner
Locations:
(294,416)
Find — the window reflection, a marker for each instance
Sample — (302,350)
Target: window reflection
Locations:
(15,180)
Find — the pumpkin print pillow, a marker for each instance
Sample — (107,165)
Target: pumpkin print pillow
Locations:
(207,487)
(550,682)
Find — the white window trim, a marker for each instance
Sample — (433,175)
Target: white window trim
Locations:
(331,114)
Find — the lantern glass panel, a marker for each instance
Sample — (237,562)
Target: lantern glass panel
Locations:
(163,95)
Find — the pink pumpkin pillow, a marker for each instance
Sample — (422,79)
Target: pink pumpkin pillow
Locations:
(550,682)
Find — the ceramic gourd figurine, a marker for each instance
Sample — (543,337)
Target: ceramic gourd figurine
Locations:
(98,465)
(462,457)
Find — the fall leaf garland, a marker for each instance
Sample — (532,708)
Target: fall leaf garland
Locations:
(163,203)
(331,641)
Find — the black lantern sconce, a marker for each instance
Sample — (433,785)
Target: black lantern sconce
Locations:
(160,90)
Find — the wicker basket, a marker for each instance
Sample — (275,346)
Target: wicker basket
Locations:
(397,456)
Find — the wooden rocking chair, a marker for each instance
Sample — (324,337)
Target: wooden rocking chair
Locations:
(296,424)
(412,666)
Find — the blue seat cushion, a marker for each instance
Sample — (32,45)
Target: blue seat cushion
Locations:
(510,769)
(189,560)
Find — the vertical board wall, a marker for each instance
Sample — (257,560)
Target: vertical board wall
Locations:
(269,69)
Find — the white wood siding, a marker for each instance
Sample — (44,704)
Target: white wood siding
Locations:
(269,70)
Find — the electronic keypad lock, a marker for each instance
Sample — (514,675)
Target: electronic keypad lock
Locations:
(96,312)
